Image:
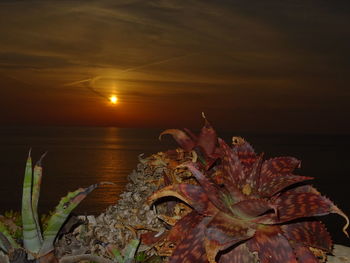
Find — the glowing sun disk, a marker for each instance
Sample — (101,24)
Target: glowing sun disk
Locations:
(113,99)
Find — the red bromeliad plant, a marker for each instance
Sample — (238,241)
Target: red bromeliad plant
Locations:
(249,210)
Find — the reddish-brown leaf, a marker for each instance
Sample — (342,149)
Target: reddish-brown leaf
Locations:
(239,254)
(271,246)
(181,138)
(279,165)
(193,195)
(304,255)
(224,231)
(193,136)
(292,206)
(151,238)
(231,164)
(251,208)
(309,233)
(244,151)
(191,248)
(184,225)
(210,188)
(253,177)
(295,203)
(270,185)
(305,189)
(207,139)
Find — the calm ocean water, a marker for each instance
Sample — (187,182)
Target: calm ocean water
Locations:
(80,156)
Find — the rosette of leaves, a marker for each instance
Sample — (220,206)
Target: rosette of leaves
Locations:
(259,211)
(36,245)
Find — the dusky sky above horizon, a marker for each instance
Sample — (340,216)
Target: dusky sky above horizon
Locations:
(262,66)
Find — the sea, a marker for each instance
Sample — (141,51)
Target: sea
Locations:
(81,156)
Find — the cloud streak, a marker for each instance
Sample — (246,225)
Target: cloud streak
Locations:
(220,55)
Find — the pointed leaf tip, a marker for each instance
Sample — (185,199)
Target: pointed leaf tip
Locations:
(92,187)
(206,122)
(341,213)
(181,138)
(41,158)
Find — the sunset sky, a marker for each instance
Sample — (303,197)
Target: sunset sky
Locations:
(259,66)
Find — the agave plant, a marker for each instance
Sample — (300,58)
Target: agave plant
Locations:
(250,210)
(38,246)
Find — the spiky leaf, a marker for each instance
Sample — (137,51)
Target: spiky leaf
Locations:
(271,246)
(251,208)
(210,188)
(191,248)
(61,213)
(224,231)
(239,254)
(37,177)
(309,233)
(31,234)
(193,195)
(304,255)
(245,152)
(302,202)
(181,138)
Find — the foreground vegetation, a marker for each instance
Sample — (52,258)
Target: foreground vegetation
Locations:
(206,201)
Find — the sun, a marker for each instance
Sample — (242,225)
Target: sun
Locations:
(113,99)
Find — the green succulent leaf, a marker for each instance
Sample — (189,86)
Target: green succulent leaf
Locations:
(141,257)
(6,240)
(31,233)
(130,250)
(61,213)
(37,177)
(117,255)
